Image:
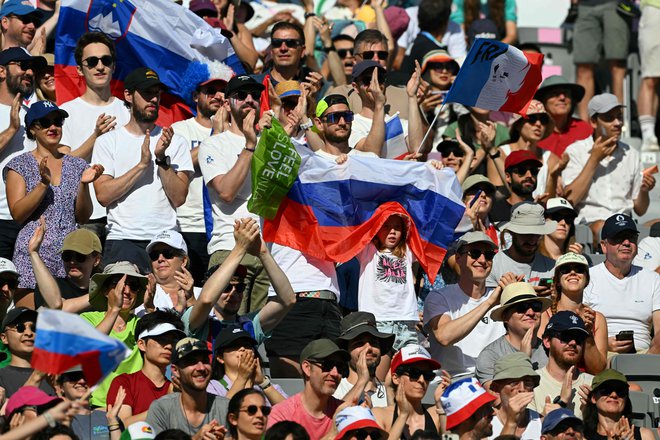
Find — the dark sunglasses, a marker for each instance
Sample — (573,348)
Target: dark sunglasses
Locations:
(239,288)
(327,365)
(568,217)
(568,268)
(483,188)
(211,91)
(26,19)
(72,377)
(25,65)
(521,171)
(455,152)
(48,122)
(362,434)
(12,282)
(415,373)
(91,62)
(610,117)
(533,119)
(132,284)
(606,389)
(251,410)
(290,42)
(369,54)
(475,254)
(366,79)
(68,256)
(334,118)
(450,67)
(21,327)
(522,307)
(343,53)
(566,337)
(621,238)
(168,254)
(242,95)
(289,104)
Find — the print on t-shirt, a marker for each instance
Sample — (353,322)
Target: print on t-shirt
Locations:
(391,270)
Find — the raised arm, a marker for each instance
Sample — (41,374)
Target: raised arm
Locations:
(48,287)
(576,191)
(84,206)
(175,183)
(375,140)
(416,124)
(14,122)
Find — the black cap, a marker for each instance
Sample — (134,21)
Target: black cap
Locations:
(141,79)
(565,321)
(243,82)
(19,313)
(231,334)
(186,347)
(357,323)
(20,54)
(616,224)
(363,66)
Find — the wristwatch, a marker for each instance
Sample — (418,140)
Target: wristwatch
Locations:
(560,402)
(165,162)
(307,125)
(266,383)
(329,48)
(495,155)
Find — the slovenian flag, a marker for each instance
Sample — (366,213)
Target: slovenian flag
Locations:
(158,34)
(333,211)
(65,340)
(395,139)
(496,76)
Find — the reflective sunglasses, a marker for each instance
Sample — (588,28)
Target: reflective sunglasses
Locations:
(369,54)
(568,268)
(292,43)
(521,171)
(12,282)
(450,67)
(607,388)
(415,373)
(327,365)
(343,53)
(522,307)
(21,327)
(68,256)
(168,254)
(91,62)
(242,95)
(251,410)
(132,283)
(475,254)
(334,118)
(568,217)
(534,118)
(47,122)
(568,336)
(362,434)
(239,288)
(24,65)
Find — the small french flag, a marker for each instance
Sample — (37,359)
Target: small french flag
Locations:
(395,138)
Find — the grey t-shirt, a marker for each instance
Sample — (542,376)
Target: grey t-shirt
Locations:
(541,267)
(92,426)
(485,369)
(12,378)
(166,413)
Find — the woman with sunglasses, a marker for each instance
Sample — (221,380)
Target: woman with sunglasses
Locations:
(439,70)
(571,277)
(45,182)
(45,80)
(563,239)
(608,411)
(247,415)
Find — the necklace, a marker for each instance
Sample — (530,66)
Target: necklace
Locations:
(191,430)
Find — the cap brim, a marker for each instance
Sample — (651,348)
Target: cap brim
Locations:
(549,227)
(496,314)
(547,429)
(464,413)
(360,424)
(577,91)
(435,364)
(213,80)
(386,339)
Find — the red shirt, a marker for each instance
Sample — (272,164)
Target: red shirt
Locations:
(557,142)
(140,391)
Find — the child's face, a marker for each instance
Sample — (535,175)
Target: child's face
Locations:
(391,232)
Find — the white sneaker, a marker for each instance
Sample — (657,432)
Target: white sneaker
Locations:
(650,144)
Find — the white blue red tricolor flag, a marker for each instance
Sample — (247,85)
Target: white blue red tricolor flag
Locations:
(65,340)
(158,34)
(496,76)
(395,139)
(333,211)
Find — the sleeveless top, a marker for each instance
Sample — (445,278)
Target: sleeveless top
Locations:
(429,424)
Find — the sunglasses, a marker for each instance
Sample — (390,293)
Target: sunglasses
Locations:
(621,238)
(475,254)
(522,307)
(292,43)
(327,365)
(132,283)
(25,65)
(343,53)
(566,337)
(11,282)
(362,434)
(569,218)
(68,256)
(334,118)
(369,54)
(450,67)
(211,91)
(168,254)
(610,117)
(533,119)
(242,95)
(251,410)
(72,377)
(238,288)
(568,268)
(415,373)
(21,327)
(289,104)
(483,188)
(521,171)
(366,79)
(49,122)
(91,62)
(26,19)
(607,389)
(456,153)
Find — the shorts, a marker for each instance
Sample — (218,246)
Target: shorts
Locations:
(309,319)
(9,230)
(600,30)
(649,41)
(405,332)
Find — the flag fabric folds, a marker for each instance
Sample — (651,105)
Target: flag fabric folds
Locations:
(395,139)
(496,76)
(333,211)
(65,340)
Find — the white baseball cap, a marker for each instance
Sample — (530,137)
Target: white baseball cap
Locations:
(171,238)
(7,266)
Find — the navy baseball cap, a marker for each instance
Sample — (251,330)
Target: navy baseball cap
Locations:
(616,224)
(565,321)
(40,109)
(363,66)
(19,8)
(20,54)
(243,82)
(557,416)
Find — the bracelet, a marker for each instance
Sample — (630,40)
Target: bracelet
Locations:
(49,418)
(113,424)
(309,14)
(306,125)
(251,150)
(114,428)
(440,412)
(266,383)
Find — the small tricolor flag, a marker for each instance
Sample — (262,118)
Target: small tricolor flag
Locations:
(395,138)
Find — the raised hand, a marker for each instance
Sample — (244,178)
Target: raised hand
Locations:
(104,123)
(248,129)
(315,81)
(526,343)
(374,89)
(245,232)
(164,142)
(221,118)
(603,147)
(37,236)
(185,281)
(145,150)
(115,296)
(15,113)
(44,171)
(92,173)
(113,409)
(266,121)
(414,82)
(150,293)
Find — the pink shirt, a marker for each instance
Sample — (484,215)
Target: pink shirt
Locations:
(293,409)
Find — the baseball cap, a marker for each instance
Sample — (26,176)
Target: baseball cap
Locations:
(202,5)
(328,101)
(357,323)
(607,376)
(288,88)
(171,238)
(519,156)
(231,334)
(142,78)
(28,396)
(242,82)
(411,354)
(475,237)
(355,417)
(320,349)
(19,8)
(187,346)
(515,366)
(40,109)
(557,416)
(82,241)
(602,103)
(138,431)
(8,266)
(462,399)
(477,179)
(557,204)
(17,313)
(565,321)
(160,329)
(571,258)
(616,224)
(21,54)
(363,66)
(515,293)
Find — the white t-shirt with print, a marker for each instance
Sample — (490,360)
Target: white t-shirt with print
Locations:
(18,144)
(648,253)
(144,210)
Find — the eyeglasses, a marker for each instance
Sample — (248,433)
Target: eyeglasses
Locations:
(25,19)
(21,327)
(369,54)
(68,256)
(11,282)
(73,376)
(292,43)
(91,62)
(362,434)
(450,67)
(242,95)
(168,254)
(415,373)
(343,53)
(327,365)
(475,254)
(211,91)
(132,283)
(522,307)
(607,389)
(57,121)
(238,287)
(623,237)
(521,171)
(566,337)
(568,217)
(533,119)
(568,268)
(251,410)
(334,118)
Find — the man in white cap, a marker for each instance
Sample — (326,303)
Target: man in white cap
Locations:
(8,284)
(527,227)
(469,409)
(520,312)
(604,175)
(458,315)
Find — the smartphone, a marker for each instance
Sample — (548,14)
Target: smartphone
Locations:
(545,282)
(475,198)
(625,335)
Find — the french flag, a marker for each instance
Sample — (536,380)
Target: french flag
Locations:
(158,34)
(65,340)
(333,211)
(395,139)
(496,76)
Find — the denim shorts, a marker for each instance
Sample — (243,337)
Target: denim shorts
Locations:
(405,331)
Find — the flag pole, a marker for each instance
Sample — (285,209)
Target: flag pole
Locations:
(430,128)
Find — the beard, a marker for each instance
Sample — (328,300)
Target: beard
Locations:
(337,138)
(206,110)
(15,84)
(143,116)
(522,190)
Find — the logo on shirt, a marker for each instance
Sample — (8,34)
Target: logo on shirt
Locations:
(391,270)
(209,159)
(647,256)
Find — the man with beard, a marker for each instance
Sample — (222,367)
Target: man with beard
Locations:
(191,409)
(361,338)
(561,380)
(561,424)
(19,23)
(95,112)
(225,163)
(523,258)
(209,98)
(140,193)
(521,169)
(469,409)
(17,71)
